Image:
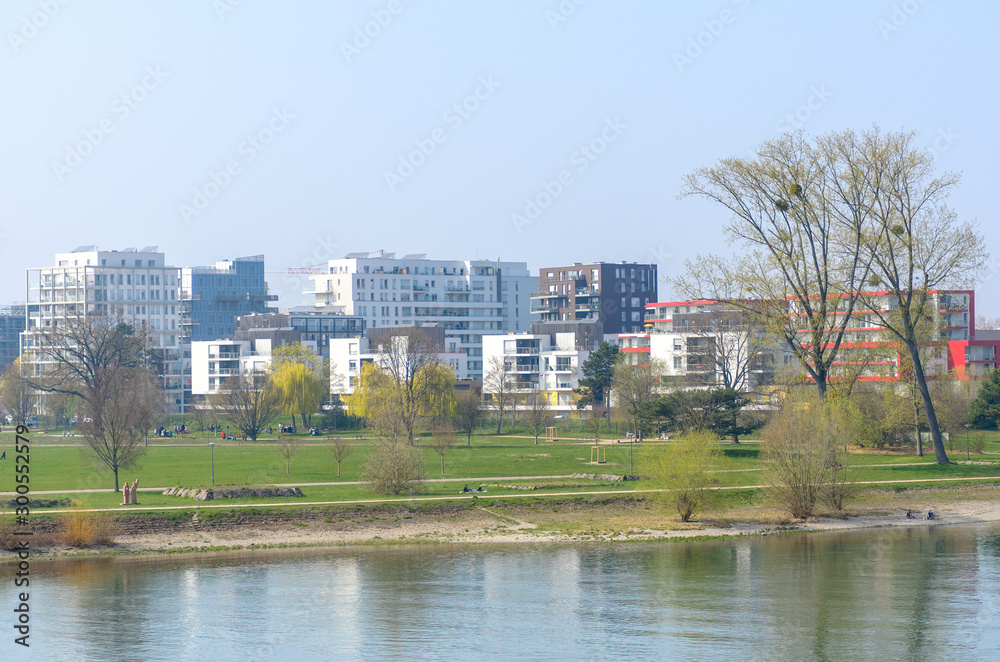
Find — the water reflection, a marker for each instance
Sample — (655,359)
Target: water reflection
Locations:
(898,594)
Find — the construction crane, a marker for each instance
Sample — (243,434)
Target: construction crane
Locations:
(311,269)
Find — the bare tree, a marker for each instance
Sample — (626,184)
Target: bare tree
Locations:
(16,394)
(499,383)
(799,211)
(469,405)
(392,466)
(598,421)
(738,347)
(107,362)
(340,450)
(915,244)
(632,387)
(249,401)
(537,414)
(443,441)
(288,446)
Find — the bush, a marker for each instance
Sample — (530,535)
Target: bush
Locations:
(82,528)
(977,442)
(392,468)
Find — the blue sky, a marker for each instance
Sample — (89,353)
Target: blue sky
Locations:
(307,130)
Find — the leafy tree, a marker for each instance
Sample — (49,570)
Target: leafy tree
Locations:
(598,371)
(682,468)
(408,359)
(302,391)
(984,410)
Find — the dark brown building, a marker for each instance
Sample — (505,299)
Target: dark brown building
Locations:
(616,294)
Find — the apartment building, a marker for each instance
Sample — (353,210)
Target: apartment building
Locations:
(213,297)
(614,293)
(348,356)
(468,299)
(306,324)
(134,283)
(12,323)
(213,361)
(548,363)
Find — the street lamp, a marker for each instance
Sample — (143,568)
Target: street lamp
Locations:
(966,442)
(211,445)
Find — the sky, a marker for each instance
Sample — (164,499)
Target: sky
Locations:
(548,132)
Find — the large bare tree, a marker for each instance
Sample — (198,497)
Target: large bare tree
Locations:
(798,214)
(249,400)
(632,387)
(915,243)
(408,357)
(107,363)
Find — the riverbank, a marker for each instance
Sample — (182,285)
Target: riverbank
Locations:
(505,522)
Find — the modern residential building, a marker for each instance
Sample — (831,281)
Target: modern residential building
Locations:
(310,325)
(546,363)
(213,297)
(12,323)
(213,361)
(134,283)
(614,293)
(469,299)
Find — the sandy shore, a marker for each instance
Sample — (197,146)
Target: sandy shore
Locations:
(478,525)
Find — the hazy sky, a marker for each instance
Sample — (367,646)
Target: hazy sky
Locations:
(307,130)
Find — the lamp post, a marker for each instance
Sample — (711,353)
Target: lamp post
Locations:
(211,445)
(967,442)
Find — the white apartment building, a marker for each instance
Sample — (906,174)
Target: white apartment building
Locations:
(135,283)
(349,355)
(546,363)
(212,361)
(469,299)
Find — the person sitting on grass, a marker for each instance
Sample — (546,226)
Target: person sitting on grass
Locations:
(909,514)
(466,489)
(930,514)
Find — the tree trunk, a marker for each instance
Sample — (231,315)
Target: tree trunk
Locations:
(932,422)
(116,480)
(916,427)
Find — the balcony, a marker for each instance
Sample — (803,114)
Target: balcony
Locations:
(547,295)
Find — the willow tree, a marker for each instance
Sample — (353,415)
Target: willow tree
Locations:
(302,378)
(797,215)
(916,246)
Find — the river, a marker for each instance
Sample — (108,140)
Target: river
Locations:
(894,594)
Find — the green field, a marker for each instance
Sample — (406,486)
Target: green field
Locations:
(62,465)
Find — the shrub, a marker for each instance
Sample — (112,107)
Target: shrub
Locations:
(392,468)
(84,528)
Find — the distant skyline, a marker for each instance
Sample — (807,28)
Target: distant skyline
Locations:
(548,132)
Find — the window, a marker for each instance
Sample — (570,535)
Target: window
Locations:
(635,302)
(678,363)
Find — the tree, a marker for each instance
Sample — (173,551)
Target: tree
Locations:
(798,212)
(302,378)
(634,385)
(598,371)
(805,462)
(915,244)
(301,390)
(250,401)
(682,468)
(537,414)
(440,403)
(341,451)
(408,357)
(288,446)
(737,346)
(391,467)
(499,383)
(17,396)
(598,421)
(109,366)
(984,410)
(443,440)
(467,409)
